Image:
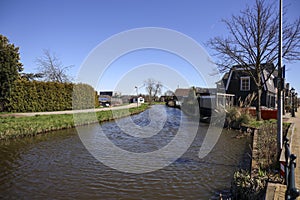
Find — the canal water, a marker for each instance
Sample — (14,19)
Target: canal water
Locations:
(57,165)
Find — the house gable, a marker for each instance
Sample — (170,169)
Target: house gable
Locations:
(241,84)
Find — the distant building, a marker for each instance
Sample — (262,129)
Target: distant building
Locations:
(181,93)
(116,101)
(208,100)
(165,98)
(126,98)
(105,98)
(108,93)
(139,100)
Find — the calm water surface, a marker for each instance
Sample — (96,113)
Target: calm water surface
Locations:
(58,166)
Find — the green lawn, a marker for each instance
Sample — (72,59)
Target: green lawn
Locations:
(14,127)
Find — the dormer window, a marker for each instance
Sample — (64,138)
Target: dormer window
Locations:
(245,83)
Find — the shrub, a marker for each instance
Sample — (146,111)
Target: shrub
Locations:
(267,146)
(235,117)
(37,96)
(244,118)
(248,188)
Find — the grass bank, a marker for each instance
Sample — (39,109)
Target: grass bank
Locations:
(265,164)
(16,127)
(251,183)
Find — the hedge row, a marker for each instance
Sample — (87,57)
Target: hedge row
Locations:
(37,96)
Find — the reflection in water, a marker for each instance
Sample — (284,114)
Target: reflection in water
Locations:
(57,166)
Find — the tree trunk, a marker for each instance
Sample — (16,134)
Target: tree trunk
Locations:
(258,105)
(150,100)
(2,106)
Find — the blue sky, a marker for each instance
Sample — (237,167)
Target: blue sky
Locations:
(73,28)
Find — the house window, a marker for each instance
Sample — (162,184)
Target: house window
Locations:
(245,83)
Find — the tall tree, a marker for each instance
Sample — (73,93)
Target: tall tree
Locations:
(51,68)
(253,40)
(153,88)
(10,66)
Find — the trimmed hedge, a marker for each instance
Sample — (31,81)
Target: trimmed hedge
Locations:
(37,96)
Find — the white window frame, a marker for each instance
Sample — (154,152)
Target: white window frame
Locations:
(241,83)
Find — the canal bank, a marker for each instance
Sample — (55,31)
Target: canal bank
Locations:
(276,191)
(31,114)
(252,184)
(17,125)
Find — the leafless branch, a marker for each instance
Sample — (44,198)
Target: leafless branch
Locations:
(52,68)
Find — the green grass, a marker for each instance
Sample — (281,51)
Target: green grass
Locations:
(15,127)
(256,124)
(158,103)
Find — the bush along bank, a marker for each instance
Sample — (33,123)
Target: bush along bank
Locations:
(38,96)
(16,127)
(251,183)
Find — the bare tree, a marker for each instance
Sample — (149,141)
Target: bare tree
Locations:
(31,76)
(169,93)
(52,69)
(253,41)
(153,88)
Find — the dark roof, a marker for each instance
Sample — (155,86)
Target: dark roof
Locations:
(270,83)
(200,90)
(109,93)
(267,69)
(226,76)
(181,92)
(268,66)
(222,83)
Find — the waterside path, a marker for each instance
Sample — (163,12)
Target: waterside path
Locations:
(70,111)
